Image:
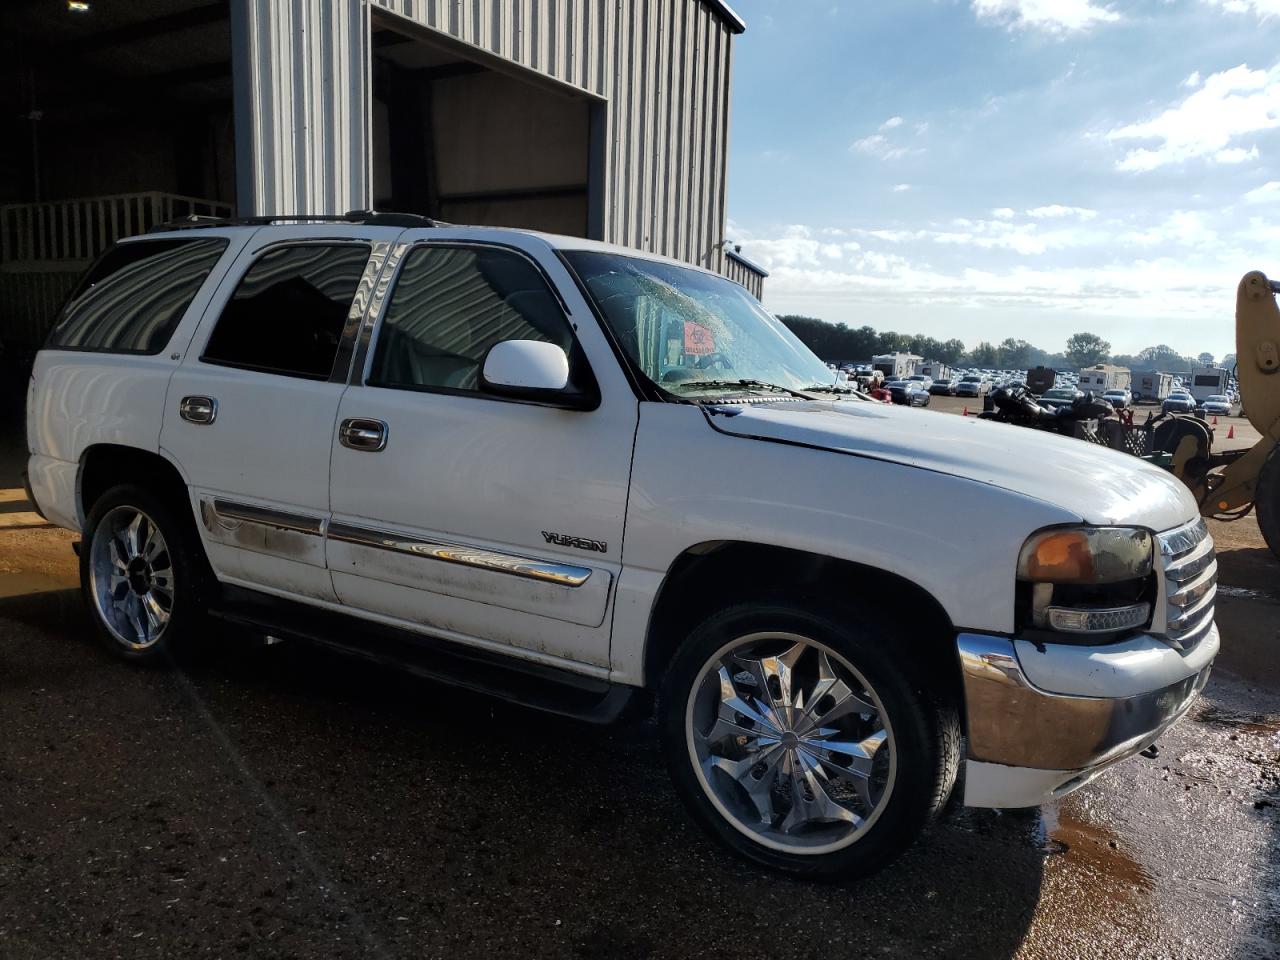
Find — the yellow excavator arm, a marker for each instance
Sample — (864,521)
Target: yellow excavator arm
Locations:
(1254,477)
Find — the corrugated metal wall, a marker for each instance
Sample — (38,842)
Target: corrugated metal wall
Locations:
(662,66)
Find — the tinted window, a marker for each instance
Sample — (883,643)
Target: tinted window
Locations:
(1207,380)
(131,300)
(450,305)
(287,313)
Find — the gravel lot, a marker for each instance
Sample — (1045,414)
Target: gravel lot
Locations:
(284,802)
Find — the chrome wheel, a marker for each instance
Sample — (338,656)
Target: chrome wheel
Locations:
(131,576)
(790,743)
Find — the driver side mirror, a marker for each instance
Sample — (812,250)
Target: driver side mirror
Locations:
(530,370)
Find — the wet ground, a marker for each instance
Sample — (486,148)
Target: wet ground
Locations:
(284,802)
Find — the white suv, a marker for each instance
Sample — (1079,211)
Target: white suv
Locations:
(593,480)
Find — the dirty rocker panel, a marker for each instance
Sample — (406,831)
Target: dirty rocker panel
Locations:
(536,685)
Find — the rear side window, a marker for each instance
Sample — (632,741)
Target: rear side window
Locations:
(451,304)
(131,300)
(288,312)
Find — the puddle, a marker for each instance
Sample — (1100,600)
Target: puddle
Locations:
(1255,723)
(1245,593)
(1087,846)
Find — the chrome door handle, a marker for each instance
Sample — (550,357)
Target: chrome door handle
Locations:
(361,433)
(203,410)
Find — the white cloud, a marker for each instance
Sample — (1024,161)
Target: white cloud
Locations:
(1236,155)
(1053,16)
(1056,211)
(1261,8)
(891,123)
(1230,104)
(878,145)
(1003,213)
(901,187)
(1269,192)
(1159,279)
(1193,80)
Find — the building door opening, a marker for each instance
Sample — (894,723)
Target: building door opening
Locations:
(465,138)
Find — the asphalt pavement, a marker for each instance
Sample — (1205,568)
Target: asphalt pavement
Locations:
(286,802)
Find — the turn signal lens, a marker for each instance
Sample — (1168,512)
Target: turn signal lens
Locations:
(1106,620)
(1086,555)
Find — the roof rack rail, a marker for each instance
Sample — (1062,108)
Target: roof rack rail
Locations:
(371,218)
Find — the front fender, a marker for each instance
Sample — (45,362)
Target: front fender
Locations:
(956,539)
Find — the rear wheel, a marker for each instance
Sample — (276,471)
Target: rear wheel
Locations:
(801,744)
(140,574)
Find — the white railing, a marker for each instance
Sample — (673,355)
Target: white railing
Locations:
(82,229)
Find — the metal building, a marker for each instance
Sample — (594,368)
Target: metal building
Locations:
(601,118)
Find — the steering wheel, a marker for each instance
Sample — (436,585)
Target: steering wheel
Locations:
(711,359)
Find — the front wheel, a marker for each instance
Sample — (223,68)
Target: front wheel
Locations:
(140,574)
(802,743)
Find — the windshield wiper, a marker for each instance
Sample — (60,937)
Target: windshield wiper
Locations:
(739,385)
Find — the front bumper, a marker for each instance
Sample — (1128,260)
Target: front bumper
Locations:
(1027,745)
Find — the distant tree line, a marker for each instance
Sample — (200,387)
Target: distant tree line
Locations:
(840,343)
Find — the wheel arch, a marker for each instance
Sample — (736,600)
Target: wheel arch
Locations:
(103,465)
(708,576)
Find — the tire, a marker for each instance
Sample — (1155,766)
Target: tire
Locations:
(1266,498)
(143,575)
(862,806)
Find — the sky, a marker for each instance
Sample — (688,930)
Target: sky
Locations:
(985,169)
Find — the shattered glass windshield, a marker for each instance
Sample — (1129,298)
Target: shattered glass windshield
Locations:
(695,334)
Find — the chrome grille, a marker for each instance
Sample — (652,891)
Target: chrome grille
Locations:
(1191,583)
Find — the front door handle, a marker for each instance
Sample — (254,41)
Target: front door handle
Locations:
(361,433)
(203,410)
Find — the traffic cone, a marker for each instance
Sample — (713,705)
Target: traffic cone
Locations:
(966,410)
(1231,432)
(1215,421)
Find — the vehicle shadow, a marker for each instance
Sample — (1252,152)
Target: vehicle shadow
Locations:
(536,796)
(430,809)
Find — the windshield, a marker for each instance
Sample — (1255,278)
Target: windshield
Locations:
(692,332)
(1218,398)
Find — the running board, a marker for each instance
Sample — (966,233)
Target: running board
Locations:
(535,685)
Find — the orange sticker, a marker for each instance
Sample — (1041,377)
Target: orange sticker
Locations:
(697,339)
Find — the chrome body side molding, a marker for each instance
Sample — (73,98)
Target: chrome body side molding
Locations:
(279,534)
(547,571)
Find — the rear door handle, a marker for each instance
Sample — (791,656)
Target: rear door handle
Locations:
(361,433)
(203,410)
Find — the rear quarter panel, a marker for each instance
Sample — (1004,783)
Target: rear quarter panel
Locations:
(79,398)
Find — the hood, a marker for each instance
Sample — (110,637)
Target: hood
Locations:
(1099,485)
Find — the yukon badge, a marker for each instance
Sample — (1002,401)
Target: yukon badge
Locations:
(578,543)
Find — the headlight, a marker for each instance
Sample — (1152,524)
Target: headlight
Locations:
(1086,555)
(1087,580)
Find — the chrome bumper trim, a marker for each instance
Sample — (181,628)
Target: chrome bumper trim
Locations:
(1014,723)
(548,571)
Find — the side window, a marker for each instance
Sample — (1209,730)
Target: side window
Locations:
(131,300)
(450,305)
(288,311)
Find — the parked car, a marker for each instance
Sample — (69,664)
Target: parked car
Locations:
(910,393)
(972,386)
(1217,405)
(1120,399)
(1178,401)
(921,379)
(293,426)
(1060,397)
(943,388)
